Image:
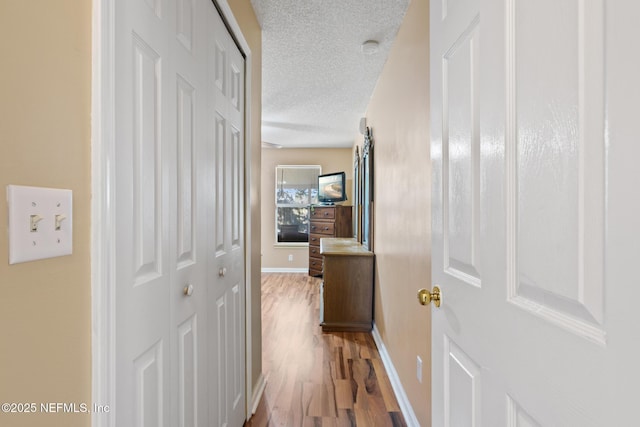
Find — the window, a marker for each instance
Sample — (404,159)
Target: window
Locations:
(296,189)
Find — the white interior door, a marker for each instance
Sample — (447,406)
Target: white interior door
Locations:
(144,278)
(189,192)
(227,258)
(534,225)
(179,332)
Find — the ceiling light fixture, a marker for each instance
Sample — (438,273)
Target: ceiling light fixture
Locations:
(370,47)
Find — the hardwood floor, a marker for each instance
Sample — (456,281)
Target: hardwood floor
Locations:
(315,378)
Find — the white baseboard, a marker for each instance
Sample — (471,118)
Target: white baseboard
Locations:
(257,393)
(403,400)
(285,270)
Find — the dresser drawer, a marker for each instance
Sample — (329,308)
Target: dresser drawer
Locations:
(314,251)
(326,221)
(325,213)
(315,264)
(327,228)
(315,273)
(314,239)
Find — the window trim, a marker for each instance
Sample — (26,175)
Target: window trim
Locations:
(278,244)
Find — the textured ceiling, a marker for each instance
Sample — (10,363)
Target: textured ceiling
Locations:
(316,82)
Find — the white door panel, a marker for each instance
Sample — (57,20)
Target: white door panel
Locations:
(555,169)
(534,323)
(462,392)
(172,331)
(190,389)
(226,272)
(461,159)
(189,194)
(142,271)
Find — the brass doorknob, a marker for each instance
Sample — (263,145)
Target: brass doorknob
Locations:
(425,297)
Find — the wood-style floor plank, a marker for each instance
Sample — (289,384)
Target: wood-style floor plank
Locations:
(313,378)
(388,395)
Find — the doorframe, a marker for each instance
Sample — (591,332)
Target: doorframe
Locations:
(103,232)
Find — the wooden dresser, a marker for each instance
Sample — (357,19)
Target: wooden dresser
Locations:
(346,293)
(326,221)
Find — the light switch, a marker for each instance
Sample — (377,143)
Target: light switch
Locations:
(40,223)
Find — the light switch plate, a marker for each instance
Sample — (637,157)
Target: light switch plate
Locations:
(49,211)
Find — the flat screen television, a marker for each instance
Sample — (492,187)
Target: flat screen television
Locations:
(332,188)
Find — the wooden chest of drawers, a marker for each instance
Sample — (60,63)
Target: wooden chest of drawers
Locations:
(326,221)
(346,293)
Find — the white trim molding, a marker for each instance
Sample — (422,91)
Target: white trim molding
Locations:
(103,212)
(258,391)
(284,270)
(403,400)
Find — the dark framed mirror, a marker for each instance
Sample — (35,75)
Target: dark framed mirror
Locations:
(357,203)
(367,190)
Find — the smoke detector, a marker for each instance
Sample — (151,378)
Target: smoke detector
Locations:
(370,47)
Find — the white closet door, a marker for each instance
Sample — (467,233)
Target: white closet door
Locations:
(180,329)
(189,194)
(227,259)
(144,278)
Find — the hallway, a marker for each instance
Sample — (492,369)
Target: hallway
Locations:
(315,378)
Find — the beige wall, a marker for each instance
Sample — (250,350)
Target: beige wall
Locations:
(45,127)
(331,160)
(45,140)
(399,117)
(244,14)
